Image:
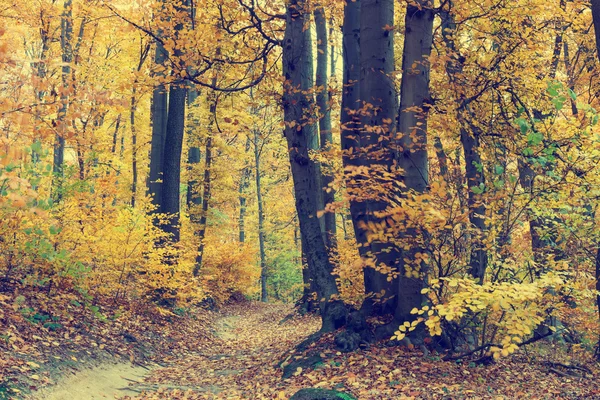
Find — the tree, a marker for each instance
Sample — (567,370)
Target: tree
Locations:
(261,216)
(375,155)
(159,125)
(66,39)
(298,133)
(324,116)
(469,137)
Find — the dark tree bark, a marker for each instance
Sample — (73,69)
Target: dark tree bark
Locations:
(193,198)
(376,156)
(173,147)
(325,132)
(159,129)
(172,159)
(412,128)
(298,133)
(350,120)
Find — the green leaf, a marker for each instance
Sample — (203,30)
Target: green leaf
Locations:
(478,189)
(534,138)
(523,125)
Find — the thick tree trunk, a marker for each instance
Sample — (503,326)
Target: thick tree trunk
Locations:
(350,120)
(325,132)
(298,133)
(376,156)
(66,45)
(159,129)
(412,128)
(261,220)
(173,147)
(172,159)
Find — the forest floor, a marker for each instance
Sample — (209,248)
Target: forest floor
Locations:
(236,354)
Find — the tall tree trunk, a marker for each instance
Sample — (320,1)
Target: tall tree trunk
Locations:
(207,187)
(133,127)
(349,115)
(261,219)
(173,147)
(159,129)
(325,132)
(298,133)
(172,159)
(469,137)
(193,198)
(243,186)
(412,128)
(377,90)
(66,44)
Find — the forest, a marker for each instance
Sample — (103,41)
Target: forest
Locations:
(299,199)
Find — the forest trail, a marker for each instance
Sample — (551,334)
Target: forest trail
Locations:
(241,364)
(239,360)
(248,338)
(106,381)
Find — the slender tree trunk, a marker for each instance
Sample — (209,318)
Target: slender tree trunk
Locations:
(442,158)
(243,186)
(412,128)
(193,198)
(528,173)
(115,138)
(66,40)
(261,219)
(325,132)
(298,133)
(133,127)
(207,187)
(469,137)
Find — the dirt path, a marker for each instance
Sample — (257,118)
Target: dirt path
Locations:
(242,362)
(107,381)
(248,339)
